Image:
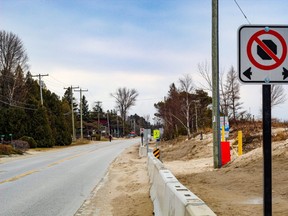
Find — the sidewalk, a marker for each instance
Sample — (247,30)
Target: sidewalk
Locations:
(124,191)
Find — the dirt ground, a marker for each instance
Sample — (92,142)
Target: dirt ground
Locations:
(124,191)
(235,189)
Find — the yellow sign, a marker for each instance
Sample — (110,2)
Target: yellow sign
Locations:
(156,134)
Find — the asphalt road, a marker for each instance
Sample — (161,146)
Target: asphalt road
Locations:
(55,182)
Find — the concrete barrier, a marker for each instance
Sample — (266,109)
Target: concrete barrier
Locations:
(169,196)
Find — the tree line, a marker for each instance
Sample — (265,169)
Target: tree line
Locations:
(21,112)
(97,121)
(23,115)
(185,110)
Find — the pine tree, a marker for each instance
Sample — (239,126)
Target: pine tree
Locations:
(85,109)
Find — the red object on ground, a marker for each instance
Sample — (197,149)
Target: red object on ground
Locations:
(225,152)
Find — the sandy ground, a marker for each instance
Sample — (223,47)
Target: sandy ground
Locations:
(124,191)
(237,188)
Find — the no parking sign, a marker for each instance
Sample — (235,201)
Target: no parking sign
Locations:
(262,58)
(262,54)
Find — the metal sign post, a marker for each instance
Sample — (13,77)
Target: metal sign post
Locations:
(263,59)
(267,153)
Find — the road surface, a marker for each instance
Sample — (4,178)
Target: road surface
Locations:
(55,182)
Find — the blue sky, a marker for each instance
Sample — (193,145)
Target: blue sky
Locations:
(101,45)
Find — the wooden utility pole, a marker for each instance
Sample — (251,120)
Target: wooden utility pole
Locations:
(215,87)
(72,111)
(40,84)
(81,105)
(98,114)
(108,123)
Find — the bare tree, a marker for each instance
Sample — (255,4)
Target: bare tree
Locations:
(125,99)
(186,85)
(204,71)
(13,60)
(147,118)
(233,92)
(278,95)
(224,96)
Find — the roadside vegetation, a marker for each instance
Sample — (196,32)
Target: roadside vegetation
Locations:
(43,119)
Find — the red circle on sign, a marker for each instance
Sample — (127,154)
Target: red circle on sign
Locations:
(278,61)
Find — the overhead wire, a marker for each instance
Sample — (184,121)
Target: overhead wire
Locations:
(20,107)
(242,12)
(17,102)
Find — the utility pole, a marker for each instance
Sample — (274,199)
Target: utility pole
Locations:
(215,87)
(117,125)
(108,124)
(196,102)
(40,84)
(81,105)
(72,109)
(98,114)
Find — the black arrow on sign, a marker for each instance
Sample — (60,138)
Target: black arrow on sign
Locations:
(248,73)
(285,73)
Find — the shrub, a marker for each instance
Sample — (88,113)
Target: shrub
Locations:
(32,143)
(96,137)
(20,145)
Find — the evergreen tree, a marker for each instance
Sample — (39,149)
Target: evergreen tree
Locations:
(42,132)
(60,130)
(85,109)
(68,96)
(13,121)
(39,123)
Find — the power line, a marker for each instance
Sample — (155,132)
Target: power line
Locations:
(16,102)
(242,11)
(58,80)
(17,106)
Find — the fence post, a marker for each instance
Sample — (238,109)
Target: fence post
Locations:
(239,143)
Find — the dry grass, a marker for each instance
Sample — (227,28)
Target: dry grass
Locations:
(8,150)
(80,142)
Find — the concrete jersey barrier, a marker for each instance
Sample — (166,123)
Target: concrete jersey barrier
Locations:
(169,196)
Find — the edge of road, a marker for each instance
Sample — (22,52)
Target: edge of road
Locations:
(123,191)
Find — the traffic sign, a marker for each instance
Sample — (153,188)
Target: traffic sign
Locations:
(156,134)
(262,54)
(156,153)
